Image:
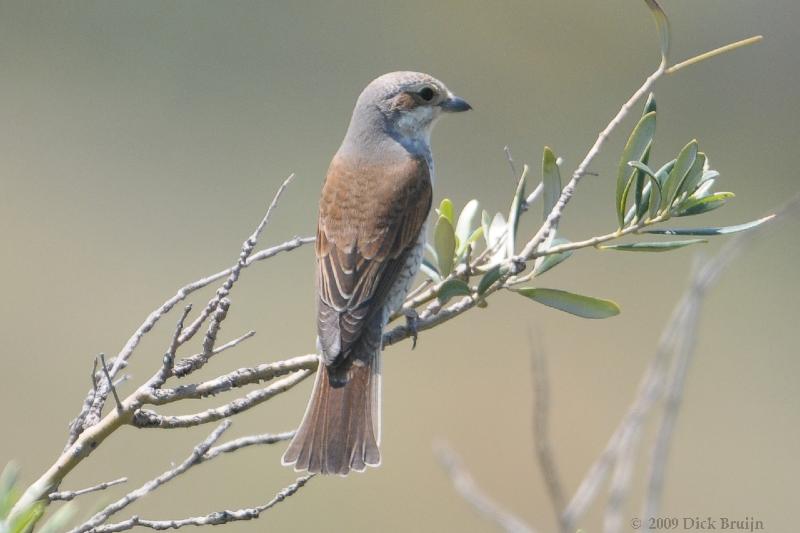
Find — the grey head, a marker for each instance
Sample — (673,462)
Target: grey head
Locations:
(400,108)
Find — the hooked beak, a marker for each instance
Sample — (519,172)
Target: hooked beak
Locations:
(454,104)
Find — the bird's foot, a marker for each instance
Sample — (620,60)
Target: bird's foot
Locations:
(412,319)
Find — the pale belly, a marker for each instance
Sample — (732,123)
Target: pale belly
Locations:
(397,294)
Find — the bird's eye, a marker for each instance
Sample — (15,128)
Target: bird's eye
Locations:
(426,93)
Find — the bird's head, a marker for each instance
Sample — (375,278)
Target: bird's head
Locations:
(408,104)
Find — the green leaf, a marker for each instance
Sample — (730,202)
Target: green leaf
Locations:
(662,24)
(446,210)
(549,261)
(644,168)
(640,203)
(642,197)
(514,212)
(576,304)
(645,200)
(8,488)
(551,181)
(637,146)
(693,177)
(678,173)
(663,173)
(661,176)
(709,174)
(704,189)
(452,288)
(465,221)
(497,232)
(28,518)
(430,270)
(60,519)
(652,246)
(724,230)
(444,240)
(696,206)
(488,279)
(650,104)
(486,222)
(477,234)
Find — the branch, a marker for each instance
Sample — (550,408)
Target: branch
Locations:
(465,485)
(189,364)
(569,190)
(196,457)
(713,53)
(144,418)
(237,378)
(544,451)
(244,442)
(71,495)
(213,519)
(621,445)
(89,430)
(247,249)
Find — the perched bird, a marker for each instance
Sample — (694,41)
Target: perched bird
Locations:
(370,236)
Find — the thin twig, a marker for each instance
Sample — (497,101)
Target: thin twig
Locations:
(145,418)
(168,361)
(674,395)
(541,433)
(712,53)
(110,382)
(213,519)
(244,442)
(569,190)
(469,490)
(247,248)
(231,380)
(647,395)
(196,456)
(187,365)
(68,495)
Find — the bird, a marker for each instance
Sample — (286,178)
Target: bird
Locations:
(370,237)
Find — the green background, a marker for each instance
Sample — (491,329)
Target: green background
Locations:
(140,143)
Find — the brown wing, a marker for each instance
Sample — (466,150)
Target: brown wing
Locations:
(370,218)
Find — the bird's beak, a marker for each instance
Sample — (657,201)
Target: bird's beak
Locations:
(454,104)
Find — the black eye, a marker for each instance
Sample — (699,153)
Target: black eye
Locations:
(427,94)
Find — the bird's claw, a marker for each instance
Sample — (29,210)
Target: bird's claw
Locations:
(412,318)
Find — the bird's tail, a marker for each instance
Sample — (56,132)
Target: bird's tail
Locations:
(341,429)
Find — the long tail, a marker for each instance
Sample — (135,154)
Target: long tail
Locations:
(341,429)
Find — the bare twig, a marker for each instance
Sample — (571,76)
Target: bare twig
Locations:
(674,395)
(648,394)
(244,442)
(110,382)
(196,456)
(707,274)
(144,418)
(544,451)
(213,519)
(237,378)
(247,249)
(68,495)
(89,430)
(712,53)
(168,362)
(189,364)
(465,485)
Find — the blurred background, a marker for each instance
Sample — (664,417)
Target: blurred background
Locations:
(142,141)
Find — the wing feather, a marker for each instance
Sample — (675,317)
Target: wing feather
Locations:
(370,219)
